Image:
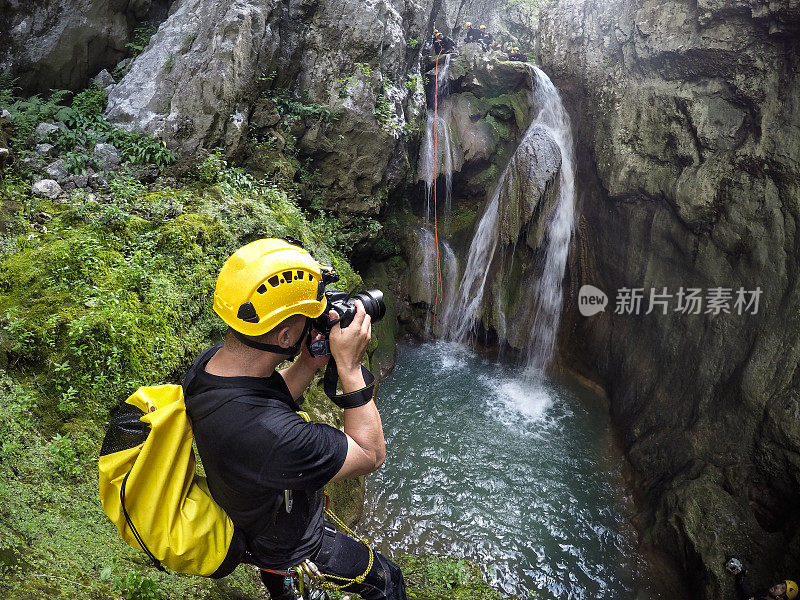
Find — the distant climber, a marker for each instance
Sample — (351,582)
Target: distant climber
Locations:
(472,35)
(486,39)
(515,54)
(784,590)
(443,44)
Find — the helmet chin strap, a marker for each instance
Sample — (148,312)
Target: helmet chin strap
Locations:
(290,351)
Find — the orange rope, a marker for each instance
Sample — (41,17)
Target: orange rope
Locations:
(439,288)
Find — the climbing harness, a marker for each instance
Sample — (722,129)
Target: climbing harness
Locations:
(439,288)
(307,581)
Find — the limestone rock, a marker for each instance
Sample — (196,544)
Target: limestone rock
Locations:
(686,121)
(530,188)
(104,79)
(107,156)
(58,44)
(47,188)
(44,129)
(56,170)
(45,149)
(200,83)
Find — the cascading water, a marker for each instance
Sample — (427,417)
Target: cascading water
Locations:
(547,289)
(463,308)
(437,159)
(427,271)
(504,464)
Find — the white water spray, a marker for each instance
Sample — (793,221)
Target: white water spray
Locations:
(461,314)
(547,290)
(441,149)
(437,159)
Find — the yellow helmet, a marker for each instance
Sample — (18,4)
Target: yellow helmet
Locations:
(791,589)
(468,24)
(482,27)
(267,281)
(515,50)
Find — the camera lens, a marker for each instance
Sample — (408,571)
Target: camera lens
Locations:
(373,303)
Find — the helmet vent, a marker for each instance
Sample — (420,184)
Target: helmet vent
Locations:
(262,289)
(287,275)
(274,281)
(247,313)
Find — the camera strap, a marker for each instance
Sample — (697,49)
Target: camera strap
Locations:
(350,399)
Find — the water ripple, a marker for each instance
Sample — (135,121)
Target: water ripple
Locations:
(484,464)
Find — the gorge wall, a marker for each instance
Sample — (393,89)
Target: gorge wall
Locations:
(212,72)
(687,125)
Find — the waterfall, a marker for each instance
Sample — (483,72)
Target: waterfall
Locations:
(462,310)
(441,150)
(427,271)
(443,145)
(547,289)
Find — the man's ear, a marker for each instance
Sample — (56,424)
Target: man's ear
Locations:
(284,337)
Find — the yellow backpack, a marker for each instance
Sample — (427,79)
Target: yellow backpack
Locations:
(150,491)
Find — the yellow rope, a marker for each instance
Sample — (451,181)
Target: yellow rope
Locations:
(347,581)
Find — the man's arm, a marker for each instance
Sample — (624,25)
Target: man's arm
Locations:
(366,448)
(300,373)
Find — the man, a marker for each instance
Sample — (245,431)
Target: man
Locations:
(516,55)
(784,590)
(443,44)
(265,465)
(486,39)
(472,34)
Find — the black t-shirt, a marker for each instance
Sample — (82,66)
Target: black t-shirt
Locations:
(253,446)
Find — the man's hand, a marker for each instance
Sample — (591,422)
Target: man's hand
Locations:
(300,373)
(313,363)
(348,346)
(366,448)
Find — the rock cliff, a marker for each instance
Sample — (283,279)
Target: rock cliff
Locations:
(687,124)
(212,73)
(62,43)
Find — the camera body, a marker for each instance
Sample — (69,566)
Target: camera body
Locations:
(344,305)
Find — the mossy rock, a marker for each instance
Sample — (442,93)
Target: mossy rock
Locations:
(430,577)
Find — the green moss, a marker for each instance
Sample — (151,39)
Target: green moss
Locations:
(97,297)
(430,577)
(486,179)
(55,540)
(462,219)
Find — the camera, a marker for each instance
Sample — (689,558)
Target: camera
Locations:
(345,306)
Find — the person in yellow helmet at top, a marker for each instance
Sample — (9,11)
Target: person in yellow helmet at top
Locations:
(265,464)
(783,590)
(443,44)
(515,54)
(486,39)
(472,34)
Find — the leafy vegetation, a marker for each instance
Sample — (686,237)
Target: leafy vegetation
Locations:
(412,82)
(141,37)
(113,294)
(84,127)
(385,112)
(413,43)
(365,69)
(293,109)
